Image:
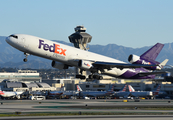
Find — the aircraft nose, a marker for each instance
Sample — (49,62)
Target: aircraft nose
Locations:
(11,39)
(7,40)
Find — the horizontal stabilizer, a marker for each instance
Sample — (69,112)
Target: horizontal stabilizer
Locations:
(163,63)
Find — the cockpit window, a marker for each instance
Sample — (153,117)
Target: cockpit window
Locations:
(14,36)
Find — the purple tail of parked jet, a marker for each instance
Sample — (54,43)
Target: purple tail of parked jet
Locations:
(148,57)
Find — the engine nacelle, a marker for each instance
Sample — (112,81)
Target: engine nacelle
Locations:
(59,65)
(133,58)
(86,65)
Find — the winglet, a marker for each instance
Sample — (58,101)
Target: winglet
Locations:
(161,65)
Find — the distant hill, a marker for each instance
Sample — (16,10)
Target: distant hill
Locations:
(10,57)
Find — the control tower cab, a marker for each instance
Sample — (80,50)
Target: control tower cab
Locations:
(80,38)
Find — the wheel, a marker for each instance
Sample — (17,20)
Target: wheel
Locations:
(90,76)
(96,77)
(25,60)
(100,77)
(80,76)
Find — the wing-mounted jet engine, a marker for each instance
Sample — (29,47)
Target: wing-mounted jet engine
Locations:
(59,65)
(85,65)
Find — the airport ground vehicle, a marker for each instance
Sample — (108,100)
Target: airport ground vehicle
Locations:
(37,97)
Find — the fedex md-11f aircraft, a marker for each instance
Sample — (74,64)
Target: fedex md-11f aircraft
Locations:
(64,56)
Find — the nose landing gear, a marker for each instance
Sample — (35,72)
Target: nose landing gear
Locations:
(98,77)
(26,55)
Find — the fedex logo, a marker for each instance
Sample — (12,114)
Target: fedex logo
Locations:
(87,64)
(52,48)
(147,63)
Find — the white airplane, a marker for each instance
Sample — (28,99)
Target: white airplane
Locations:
(5,94)
(68,94)
(86,94)
(54,94)
(122,92)
(64,56)
(134,93)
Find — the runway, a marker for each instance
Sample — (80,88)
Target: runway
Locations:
(96,117)
(83,109)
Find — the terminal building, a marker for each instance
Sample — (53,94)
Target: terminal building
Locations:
(23,80)
(21,75)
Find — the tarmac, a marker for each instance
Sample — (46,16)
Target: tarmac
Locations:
(122,109)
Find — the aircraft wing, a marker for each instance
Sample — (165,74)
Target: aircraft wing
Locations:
(110,65)
(152,73)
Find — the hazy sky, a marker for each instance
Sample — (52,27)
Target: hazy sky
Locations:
(131,23)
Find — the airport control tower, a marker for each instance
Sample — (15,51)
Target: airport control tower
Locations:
(80,39)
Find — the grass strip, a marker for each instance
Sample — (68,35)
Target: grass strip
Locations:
(110,107)
(83,113)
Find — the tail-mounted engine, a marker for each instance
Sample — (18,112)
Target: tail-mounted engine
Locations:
(59,65)
(86,65)
(134,59)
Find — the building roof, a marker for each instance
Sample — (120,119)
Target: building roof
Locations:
(29,85)
(14,85)
(43,85)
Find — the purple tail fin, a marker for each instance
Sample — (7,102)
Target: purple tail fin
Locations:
(152,53)
(148,57)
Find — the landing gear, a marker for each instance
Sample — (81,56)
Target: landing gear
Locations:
(98,77)
(80,76)
(25,59)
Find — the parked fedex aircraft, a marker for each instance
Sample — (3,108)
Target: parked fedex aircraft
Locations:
(5,94)
(64,56)
(95,93)
(134,93)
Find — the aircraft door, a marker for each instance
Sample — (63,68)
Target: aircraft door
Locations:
(23,43)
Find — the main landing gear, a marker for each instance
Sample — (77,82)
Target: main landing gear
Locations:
(81,76)
(25,59)
(98,77)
